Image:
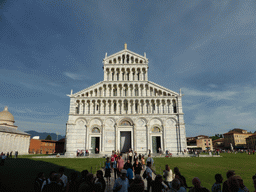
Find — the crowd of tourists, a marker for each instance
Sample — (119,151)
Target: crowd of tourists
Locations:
(129,173)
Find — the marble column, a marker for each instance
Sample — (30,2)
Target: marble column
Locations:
(103,138)
(134,138)
(133,108)
(130,107)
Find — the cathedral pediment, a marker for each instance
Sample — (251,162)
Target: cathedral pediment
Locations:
(125,57)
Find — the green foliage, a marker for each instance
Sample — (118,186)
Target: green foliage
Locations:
(48,137)
(217,136)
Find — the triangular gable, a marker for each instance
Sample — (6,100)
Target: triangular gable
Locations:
(162,88)
(125,51)
(87,89)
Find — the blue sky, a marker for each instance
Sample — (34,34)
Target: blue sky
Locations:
(206,48)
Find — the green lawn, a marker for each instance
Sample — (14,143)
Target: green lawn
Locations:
(19,174)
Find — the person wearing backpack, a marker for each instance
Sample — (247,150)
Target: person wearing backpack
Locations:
(150,159)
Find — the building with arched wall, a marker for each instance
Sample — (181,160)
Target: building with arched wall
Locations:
(11,138)
(125,110)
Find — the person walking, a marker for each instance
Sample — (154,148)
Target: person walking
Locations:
(115,167)
(137,167)
(120,164)
(168,176)
(121,183)
(130,155)
(150,159)
(149,172)
(143,162)
(107,170)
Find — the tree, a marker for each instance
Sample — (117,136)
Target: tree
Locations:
(48,137)
(217,136)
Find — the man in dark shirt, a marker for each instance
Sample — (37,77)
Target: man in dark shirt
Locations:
(225,187)
(157,184)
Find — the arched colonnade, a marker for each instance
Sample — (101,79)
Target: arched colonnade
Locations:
(126,106)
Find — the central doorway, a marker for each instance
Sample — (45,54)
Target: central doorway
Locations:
(95,144)
(156,144)
(125,141)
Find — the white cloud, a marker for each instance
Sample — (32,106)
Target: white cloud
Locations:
(215,95)
(211,119)
(73,76)
(212,85)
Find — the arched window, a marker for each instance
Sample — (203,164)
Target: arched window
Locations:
(125,123)
(125,92)
(123,58)
(153,107)
(136,92)
(115,92)
(95,130)
(155,130)
(115,107)
(126,106)
(136,107)
(117,76)
(174,106)
(77,107)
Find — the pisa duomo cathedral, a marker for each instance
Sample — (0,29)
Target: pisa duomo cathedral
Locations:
(125,111)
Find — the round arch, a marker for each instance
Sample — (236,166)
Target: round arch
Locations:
(157,119)
(96,118)
(127,119)
(81,118)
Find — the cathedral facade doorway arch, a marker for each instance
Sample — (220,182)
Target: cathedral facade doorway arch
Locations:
(125,137)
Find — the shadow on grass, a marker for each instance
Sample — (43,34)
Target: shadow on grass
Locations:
(19,174)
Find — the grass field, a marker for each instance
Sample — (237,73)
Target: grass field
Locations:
(19,174)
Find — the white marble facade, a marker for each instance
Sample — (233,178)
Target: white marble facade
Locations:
(125,111)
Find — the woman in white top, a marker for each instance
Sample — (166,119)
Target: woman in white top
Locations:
(168,176)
